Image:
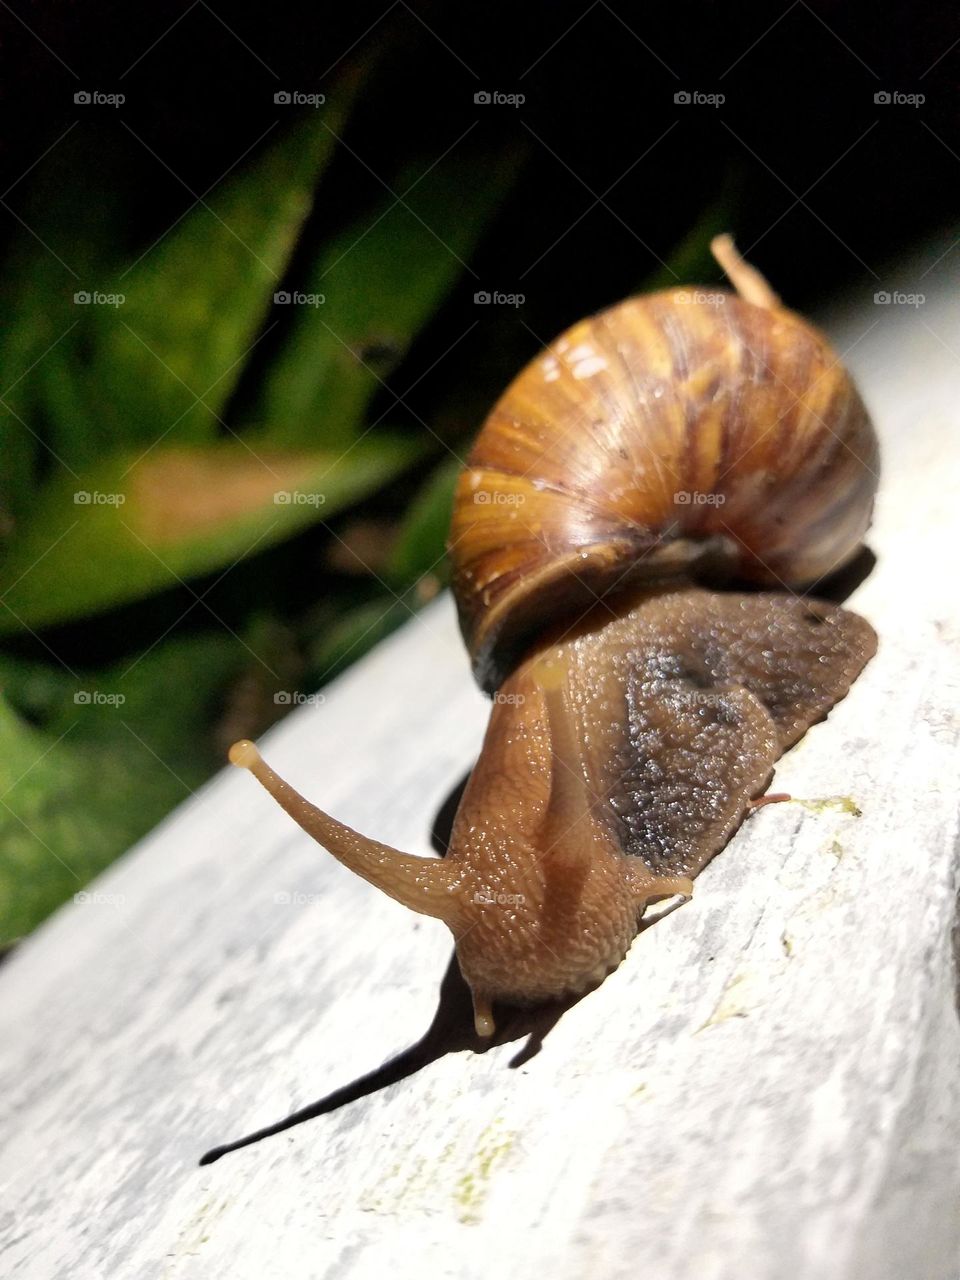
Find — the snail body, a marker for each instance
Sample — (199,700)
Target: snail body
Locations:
(637,714)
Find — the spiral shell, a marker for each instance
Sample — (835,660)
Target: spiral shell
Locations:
(669,434)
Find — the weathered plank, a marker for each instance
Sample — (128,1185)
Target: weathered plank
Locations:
(767,1086)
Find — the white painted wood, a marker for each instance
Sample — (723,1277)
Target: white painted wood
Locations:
(767,1087)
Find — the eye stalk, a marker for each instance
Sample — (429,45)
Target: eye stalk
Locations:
(748,282)
(425,885)
(428,886)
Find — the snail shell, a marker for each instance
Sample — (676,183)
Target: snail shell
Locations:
(682,432)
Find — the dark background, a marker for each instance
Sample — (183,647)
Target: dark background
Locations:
(599,82)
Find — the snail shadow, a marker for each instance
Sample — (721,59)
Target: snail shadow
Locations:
(839,586)
(450,1031)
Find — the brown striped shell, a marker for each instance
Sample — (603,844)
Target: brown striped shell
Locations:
(671,433)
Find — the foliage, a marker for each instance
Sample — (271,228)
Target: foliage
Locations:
(164,436)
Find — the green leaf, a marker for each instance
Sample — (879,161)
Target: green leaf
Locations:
(58,242)
(421,542)
(195,304)
(184,314)
(117,749)
(381,280)
(129,526)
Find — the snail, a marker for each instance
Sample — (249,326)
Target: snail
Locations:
(651,458)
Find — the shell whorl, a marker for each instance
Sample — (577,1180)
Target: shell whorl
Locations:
(667,434)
